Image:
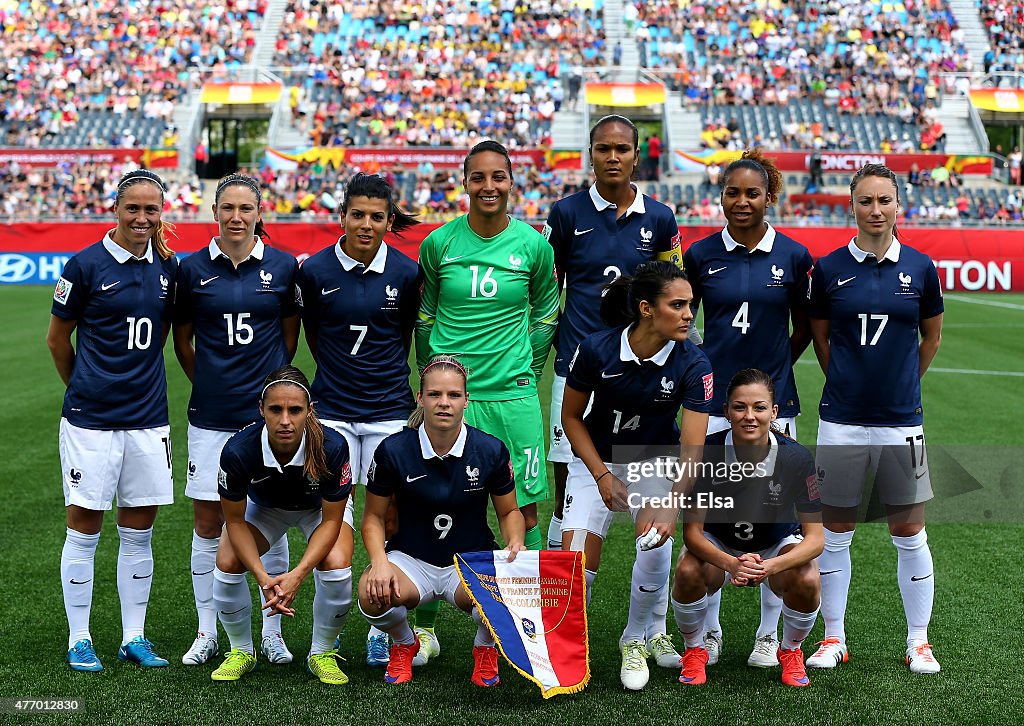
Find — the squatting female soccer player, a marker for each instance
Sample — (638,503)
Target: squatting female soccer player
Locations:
(116,296)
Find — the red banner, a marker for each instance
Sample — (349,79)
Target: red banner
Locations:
(153,158)
(408,156)
(840,162)
(967,258)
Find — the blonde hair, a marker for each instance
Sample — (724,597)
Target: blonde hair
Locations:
(440,362)
(163,229)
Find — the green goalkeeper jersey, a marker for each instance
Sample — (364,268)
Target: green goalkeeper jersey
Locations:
(491,301)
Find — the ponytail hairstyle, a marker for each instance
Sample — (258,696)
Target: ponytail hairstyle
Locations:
(376,187)
(755,160)
(620,302)
(254,186)
(163,229)
(754,377)
(879,170)
(315,465)
(440,362)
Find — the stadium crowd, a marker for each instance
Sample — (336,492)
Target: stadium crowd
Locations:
(125,61)
(429,73)
(1005,24)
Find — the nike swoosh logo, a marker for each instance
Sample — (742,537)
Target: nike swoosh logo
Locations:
(258,481)
(76,582)
(918,579)
(644,589)
(717,269)
(202,573)
(328,292)
(339,616)
(411,479)
(108,286)
(142,577)
(828,572)
(843,282)
(452,259)
(613,375)
(918,476)
(579,232)
(233,612)
(203,283)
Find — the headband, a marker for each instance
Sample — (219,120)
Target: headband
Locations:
(239,179)
(455,364)
(140,174)
(285,380)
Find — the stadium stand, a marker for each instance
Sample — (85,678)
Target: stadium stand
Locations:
(108,73)
(1005,24)
(434,73)
(867,70)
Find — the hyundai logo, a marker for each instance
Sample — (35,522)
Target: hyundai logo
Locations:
(16,268)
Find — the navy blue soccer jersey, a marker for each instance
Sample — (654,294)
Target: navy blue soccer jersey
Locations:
(766,503)
(122,305)
(636,402)
(748,298)
(874,308)
(441,501)
(361,318)
(593,248)
(236,315)
(248,468)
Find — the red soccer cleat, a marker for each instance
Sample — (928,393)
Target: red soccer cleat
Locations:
(485,666)
(793,672)
(695,662)
(400,665)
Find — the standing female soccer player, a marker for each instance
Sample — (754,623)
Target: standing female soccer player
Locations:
(742,523)
(288,471)
(359,302)
(490,295)
(116,296)
(752,282)
(598,234)
(876,317)
(235,320)
(640,371)
(441,473)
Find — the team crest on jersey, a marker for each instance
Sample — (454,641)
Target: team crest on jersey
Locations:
(646,239)
(164,283)
(390,298)
(557,431)
(777,274)
(905,281)
(62,292)
(774,490)
(515,262)
(813,490)
(667,386)
(74,478)
(529,629)
(473,476)
(266,278)
(709,386)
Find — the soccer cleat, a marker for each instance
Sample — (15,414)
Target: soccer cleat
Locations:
(204,647)
(485,666)
(633,673)
(921,660)
(325,667)
(377,650)
(274,649)
(694,671)
(665,654)
(831,653)
(82,657)
(765,653)
(400,663)
(429,646)
(793,671)
(236,664)
(139,650)
(713,645)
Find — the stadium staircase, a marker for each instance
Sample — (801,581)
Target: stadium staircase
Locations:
(975,35)
(955,116)
(615,32)
(266,39)
(684,126)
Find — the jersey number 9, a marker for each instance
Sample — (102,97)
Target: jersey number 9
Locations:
(443,524)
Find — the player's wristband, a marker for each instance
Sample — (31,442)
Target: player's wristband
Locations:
(602,476)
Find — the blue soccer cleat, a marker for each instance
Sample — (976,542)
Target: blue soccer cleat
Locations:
(139,650)
(82,657)
(377,647)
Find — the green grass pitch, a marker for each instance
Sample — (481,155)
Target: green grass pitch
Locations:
(976,626)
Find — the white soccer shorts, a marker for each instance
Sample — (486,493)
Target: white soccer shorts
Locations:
(559,450)
(585,510)
(432,582)
(204,447)
(134,465)
(363,440)
(274,523)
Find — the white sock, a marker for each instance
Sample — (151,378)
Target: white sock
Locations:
(690,618)
(234,605)
(374,632)
(658,624)
(650,578)
(771,609)
(483,635)
(795,626)
(916,577)
(204,559)
(711,621)
(331,604)
(394,622)
(835,567)
(589,576)
(77,566)
(555,533)
(134,579)
(275,562)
